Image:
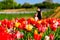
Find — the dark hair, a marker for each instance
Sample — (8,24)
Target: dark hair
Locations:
(38,7)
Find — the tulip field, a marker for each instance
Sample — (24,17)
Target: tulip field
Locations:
(30,29)
(25,27)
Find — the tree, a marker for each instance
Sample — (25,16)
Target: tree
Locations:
(9,1)
(26,5)
(10,4)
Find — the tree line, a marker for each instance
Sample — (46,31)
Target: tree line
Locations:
(11,4)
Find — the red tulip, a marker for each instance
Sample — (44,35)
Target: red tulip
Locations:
(5,36)
(2,29)
(58,20)
(22,35)
(20,26)
(33,22)
(53,27)
(19,35)
(21,20)
(16,19)
(50,21)
(38,25)
(28,21)
(37,36)
(51,37)
(42,28)
(43,22)
(10,24)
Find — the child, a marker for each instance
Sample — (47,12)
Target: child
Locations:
(36,18)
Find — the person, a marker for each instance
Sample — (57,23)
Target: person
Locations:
(39,15)
(35,16)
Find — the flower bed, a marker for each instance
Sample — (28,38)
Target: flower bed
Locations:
(29,29)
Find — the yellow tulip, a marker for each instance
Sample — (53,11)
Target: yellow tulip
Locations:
(35,32)
(17,24)
(29,27)
(41,34)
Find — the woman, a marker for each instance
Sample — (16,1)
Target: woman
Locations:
(39,13)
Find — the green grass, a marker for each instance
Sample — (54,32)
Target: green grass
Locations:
(48,13)
(10,16)
(25,15)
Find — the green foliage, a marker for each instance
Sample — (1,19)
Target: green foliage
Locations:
(26,5)
(47,5)
(10,16)
(18,6)
(11,4)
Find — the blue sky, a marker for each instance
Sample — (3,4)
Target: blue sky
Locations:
(34,1)
(29,1)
